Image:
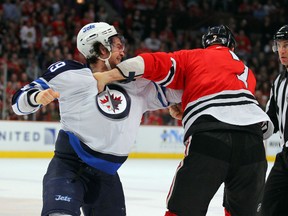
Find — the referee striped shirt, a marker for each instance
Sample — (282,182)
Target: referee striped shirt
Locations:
(277,107)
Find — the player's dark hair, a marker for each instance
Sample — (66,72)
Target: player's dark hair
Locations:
(94,58)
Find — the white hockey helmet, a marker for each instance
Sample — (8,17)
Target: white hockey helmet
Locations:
(94,32)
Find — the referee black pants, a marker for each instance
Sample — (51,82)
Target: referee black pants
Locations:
(275,201)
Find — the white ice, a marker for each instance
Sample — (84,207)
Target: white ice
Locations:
(146,183)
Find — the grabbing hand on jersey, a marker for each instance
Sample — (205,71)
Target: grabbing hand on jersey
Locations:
(176,111)
(47,96)
(101,80)
(106,77)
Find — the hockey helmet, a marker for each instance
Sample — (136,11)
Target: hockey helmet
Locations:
(219,35)
(281,34)
(94,32)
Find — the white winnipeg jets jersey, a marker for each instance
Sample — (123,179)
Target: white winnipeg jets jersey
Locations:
(107,122)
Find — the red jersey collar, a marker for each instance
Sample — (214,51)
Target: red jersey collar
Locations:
(217,46)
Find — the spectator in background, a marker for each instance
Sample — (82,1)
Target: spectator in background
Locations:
(102,14)
(141,49)
(258,10)
(28,37)
(49,41)
(59,26)
(11,11)
(243,45)
(27,8)
(167,37)
(152,42)
(11,38)
(32,70)
(138,24)
(14,65)
(13,83)
(24,79)
(44,22)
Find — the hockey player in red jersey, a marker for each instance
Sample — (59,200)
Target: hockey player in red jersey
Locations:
(222,122)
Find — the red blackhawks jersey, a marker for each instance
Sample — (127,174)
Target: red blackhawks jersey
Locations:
(214,82)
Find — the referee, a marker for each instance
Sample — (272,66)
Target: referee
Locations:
(275,200)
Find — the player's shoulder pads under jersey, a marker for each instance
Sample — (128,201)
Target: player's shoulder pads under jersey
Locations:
(62,66)
(114,102)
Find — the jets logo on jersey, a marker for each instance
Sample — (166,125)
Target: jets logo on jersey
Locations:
(114,102)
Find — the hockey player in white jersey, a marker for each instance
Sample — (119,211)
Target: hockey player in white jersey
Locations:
(98,130)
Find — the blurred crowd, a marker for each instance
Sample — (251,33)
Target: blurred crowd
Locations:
(36,33)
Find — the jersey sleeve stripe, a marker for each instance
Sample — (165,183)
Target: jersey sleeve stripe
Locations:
(42,83)
(169,78)
(161,95)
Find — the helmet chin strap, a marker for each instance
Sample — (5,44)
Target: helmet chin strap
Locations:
(106,61)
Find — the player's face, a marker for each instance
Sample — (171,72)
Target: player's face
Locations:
(282,47)
(117,52)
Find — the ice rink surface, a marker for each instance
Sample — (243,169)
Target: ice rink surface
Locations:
(146,183)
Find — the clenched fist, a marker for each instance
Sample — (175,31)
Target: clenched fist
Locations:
(47,96)
(176,111)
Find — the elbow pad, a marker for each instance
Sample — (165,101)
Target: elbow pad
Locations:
(267,129)
(131,68)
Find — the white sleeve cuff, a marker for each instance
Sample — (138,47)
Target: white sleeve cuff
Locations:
(32,98)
